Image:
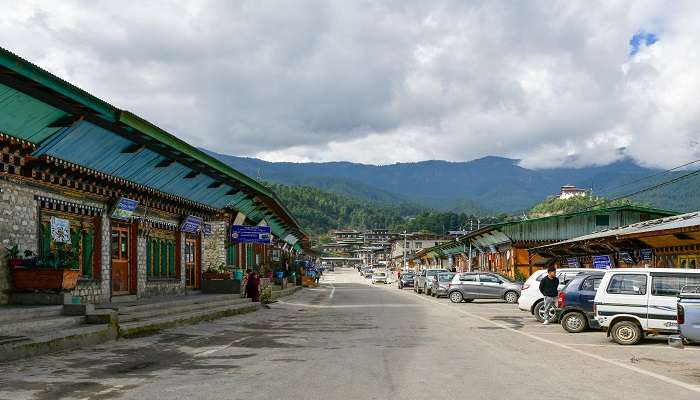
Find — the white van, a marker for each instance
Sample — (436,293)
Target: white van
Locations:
(632,302)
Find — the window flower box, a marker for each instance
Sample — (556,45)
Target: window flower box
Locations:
(45,278)
(217,275)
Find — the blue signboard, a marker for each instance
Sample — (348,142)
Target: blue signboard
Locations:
(251,234)
(602,262)
(206,229)
(191,224)
(572,262)
(124,209)
(646,254)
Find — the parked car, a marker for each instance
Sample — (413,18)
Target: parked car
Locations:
(421,279)
(632,302)
(483,285)
(366,271)
(688,317)
(575,302)
(406,280)
(379,277)
(532,300)
(438,287)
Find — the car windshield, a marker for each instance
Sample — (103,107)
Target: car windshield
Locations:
(407,275)
(380,274)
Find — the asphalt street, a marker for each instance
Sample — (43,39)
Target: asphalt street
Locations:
(349,339)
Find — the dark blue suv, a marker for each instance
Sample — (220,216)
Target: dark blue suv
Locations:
(575,302)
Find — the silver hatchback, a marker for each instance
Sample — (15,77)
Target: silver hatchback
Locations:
(468,286)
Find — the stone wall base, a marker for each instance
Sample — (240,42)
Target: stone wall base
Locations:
(164,287)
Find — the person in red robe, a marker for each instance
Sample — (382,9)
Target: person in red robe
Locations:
(252,287)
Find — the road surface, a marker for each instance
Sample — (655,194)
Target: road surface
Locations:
(351,340)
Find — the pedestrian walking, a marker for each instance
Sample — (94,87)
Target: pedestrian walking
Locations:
(549,287)
(252,288)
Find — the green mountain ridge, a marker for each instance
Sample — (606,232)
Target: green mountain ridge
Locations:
(484,186)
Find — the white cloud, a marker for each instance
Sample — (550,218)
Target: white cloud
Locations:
(381,82)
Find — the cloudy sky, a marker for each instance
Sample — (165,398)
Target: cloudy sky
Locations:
(549,82)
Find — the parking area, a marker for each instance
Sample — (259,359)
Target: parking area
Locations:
(652,355)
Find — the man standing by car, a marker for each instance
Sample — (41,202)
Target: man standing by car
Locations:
(549,286)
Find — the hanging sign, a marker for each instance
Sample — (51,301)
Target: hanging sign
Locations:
(60,230)
(191,224)
(626,257)
(572,262)
(206,229)
(602,262)
(124,209)
(645,254)
(251,234)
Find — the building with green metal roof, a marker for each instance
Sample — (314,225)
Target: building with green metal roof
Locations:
(504,247)
(71,156)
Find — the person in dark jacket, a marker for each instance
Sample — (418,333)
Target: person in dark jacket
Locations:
(549,286)
(252,288)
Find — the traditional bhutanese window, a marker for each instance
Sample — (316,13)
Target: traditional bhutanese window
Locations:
(249,255)
(160,255)
(82,241)
(231,254)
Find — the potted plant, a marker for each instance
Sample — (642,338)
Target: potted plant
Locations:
(217,272)
(13,258)
(58,270)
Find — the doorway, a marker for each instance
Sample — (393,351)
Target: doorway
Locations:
(192,263)
(121,259)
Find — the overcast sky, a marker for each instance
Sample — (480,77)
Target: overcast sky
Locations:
(549,82)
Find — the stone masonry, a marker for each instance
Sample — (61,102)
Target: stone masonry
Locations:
(5,280)
(214,246)
(19,225)
(141,272)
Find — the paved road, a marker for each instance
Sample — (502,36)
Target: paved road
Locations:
(350,340)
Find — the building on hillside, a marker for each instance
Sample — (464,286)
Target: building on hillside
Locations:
(504,247)
(569,191)
(371,245)
(113,204)
(414,243)
(670,242)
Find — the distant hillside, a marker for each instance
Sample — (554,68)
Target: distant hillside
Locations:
(484,186)
(319,212)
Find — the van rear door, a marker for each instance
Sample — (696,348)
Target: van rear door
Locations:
(663,298)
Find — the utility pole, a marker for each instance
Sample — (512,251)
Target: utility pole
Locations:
(405,266)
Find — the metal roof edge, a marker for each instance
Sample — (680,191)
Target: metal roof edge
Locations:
(32,71)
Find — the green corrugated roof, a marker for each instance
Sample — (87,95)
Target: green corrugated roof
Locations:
(36,116)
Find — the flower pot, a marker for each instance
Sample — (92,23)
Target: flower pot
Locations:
(217,275)
(45,278)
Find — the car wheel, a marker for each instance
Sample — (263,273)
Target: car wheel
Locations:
(456,297)
(539,312)
(511,297)
(574,322)
(626,333)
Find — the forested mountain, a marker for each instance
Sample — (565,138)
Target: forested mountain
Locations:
(484,186)
(319,212)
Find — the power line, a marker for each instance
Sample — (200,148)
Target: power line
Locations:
(655,175)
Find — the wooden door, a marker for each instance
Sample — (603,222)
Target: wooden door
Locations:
(192,263)
(121,249)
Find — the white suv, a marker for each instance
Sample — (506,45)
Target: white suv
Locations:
(532,300)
